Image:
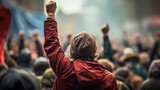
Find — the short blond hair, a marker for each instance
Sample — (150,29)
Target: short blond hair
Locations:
(107,64)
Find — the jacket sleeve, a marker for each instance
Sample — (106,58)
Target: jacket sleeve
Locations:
(21,44)
(112,83)
(39,48)
(107,53)
(139,46)
(59,63)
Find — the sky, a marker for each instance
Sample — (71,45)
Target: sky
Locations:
(70,6)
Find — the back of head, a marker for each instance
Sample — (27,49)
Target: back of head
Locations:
(83,46)
(18,79)
(154,70)
(48,78)
(40,65)
(25,58)
(130,56)
(122,73)
(107,64)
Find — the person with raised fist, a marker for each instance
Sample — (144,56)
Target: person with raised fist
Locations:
(107,53)
(21,41)
(39,48)
(83,73)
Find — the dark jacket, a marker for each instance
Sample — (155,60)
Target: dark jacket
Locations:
(39,48)
(18,79)
(21,44)
(88,75)
(139,46)
(108,52)
(153,81)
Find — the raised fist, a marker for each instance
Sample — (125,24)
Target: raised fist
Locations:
(105,29)
(35,34)
(69,35)
(21,34)
(137,36)
(51,8)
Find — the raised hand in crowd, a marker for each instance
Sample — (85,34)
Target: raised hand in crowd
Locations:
(21,40)
(35,35)
(105,29)
(51,8)
(39,48)
(21,34)
(108,52)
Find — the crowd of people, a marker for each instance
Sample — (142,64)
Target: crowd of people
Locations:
(32,63)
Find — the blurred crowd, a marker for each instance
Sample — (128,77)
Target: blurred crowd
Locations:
(136,66)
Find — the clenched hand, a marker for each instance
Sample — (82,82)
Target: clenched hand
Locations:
(50,9)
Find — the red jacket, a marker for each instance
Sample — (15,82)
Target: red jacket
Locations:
(88,75)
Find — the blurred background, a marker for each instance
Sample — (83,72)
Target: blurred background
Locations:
(134,39)
(88,15)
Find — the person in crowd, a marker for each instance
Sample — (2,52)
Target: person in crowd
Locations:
(145,60)
(13,56)
(135,80)
(12,48)
(110,67)
(107,64)
(38,44)
(138,42)
(125,39)
(130,57)
(21,41)
(108,52)
(82,73)
(10,62)
(18,79)
(48,79)
(115,55)
(40,65)
(153,80)
(155,52)
(122,85)
(25,59)
(123,74)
